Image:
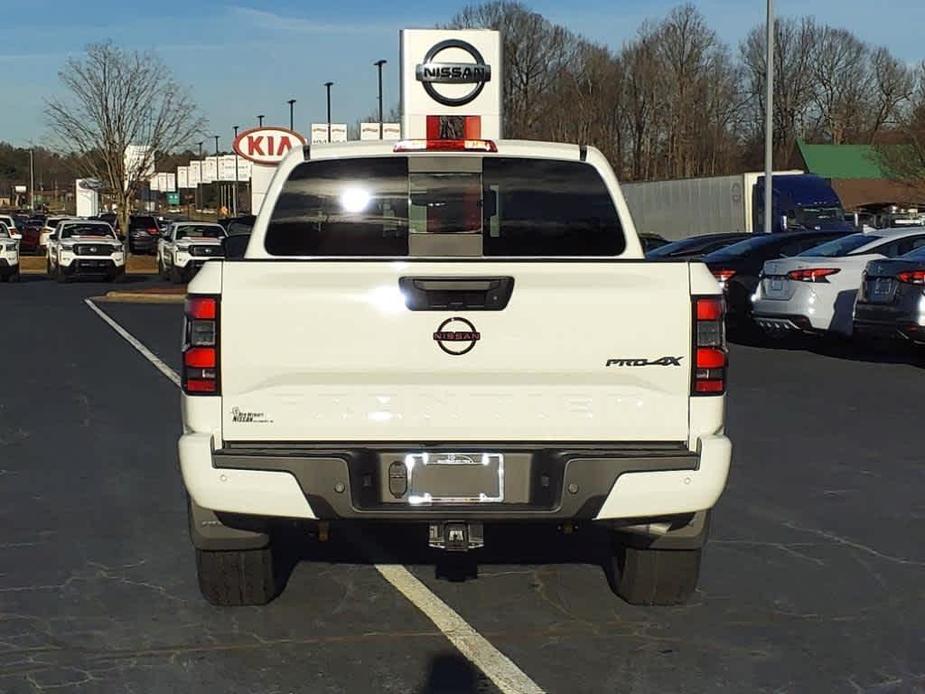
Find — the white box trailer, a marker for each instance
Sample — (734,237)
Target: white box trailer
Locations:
(692,206)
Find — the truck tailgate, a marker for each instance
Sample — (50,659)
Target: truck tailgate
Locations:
(328,351)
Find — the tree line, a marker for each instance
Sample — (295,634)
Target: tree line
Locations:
(675,101)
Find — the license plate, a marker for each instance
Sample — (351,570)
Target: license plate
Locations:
(777,285)
(455,478)
(881,289)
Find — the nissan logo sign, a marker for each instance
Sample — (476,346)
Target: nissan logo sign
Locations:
(431,73)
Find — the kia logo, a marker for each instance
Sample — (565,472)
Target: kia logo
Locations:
(267,145)
(456,336)
(431,72)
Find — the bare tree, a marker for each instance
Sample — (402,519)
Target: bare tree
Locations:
(894,87)
(116,98)
(906,162)
(793,84)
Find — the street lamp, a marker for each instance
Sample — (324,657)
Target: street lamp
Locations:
(328,86)
(260,120)
(291,103)
(221,190)
(769,121)
(379,64)
(199,181)
(234,196)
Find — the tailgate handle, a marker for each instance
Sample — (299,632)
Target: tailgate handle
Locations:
(456,293)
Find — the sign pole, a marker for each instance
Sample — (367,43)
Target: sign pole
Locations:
(328,86)
(769,124)
(379,64)
(234,197)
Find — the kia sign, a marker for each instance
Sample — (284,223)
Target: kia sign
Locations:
(267,146)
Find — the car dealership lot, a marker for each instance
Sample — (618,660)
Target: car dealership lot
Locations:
(812,581)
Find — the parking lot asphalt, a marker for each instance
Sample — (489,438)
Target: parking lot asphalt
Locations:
(814,579)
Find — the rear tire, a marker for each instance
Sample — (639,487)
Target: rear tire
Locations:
(15,276)
(655,576)
(59,275)
(234,578)
(176,277)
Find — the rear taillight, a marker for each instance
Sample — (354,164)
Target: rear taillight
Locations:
(812,274)
(723,275)
(710,356)
(200,346)
(153,231)
(912,277)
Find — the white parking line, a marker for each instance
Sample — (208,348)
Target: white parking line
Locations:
(145,352)
(500,669)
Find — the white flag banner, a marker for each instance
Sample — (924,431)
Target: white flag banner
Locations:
(154,183)
(226,167)
(370,131)
(195,173)
(171,183)
(245,168)
(209,169)
(183,177)
(391,131)
(163,182)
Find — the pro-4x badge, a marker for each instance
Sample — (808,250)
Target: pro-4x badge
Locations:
(663,361)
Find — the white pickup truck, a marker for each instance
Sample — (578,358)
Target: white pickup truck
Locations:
(454,334)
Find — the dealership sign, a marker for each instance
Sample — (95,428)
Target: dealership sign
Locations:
(267,146)
(450,75)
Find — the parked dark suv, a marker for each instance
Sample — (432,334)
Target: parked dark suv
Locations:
(143,232)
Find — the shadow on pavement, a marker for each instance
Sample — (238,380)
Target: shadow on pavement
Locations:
(406,543)
(866,350)
(451,674)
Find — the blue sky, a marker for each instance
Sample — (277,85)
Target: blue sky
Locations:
(245,57)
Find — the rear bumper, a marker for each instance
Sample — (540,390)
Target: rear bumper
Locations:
(600,483)
(891,329)
(784,324)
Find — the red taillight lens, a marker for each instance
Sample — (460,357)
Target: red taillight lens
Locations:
(711,358)
(153,231)
(446,146)
(200,357)
(912,277)
(813,274)
(723,275)
(709,308)
(200,346)
(201,307)
(708,375)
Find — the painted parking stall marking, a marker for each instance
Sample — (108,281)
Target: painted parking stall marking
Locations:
(500,669)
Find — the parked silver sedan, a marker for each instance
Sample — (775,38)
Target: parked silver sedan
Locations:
(891,302)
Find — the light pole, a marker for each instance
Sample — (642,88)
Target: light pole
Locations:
(31,180)
(234,196)
(291,103)
(221,202)
(328,86)
(769,123)
(260,120)
(199,181)
(379,64)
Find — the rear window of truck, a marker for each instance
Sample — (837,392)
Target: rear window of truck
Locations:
(372,206)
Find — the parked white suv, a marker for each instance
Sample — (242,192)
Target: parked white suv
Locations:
(185,247)
(452,334)
(85,247)
(9,255)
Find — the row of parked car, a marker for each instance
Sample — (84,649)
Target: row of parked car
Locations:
(78,247)
(870,283)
